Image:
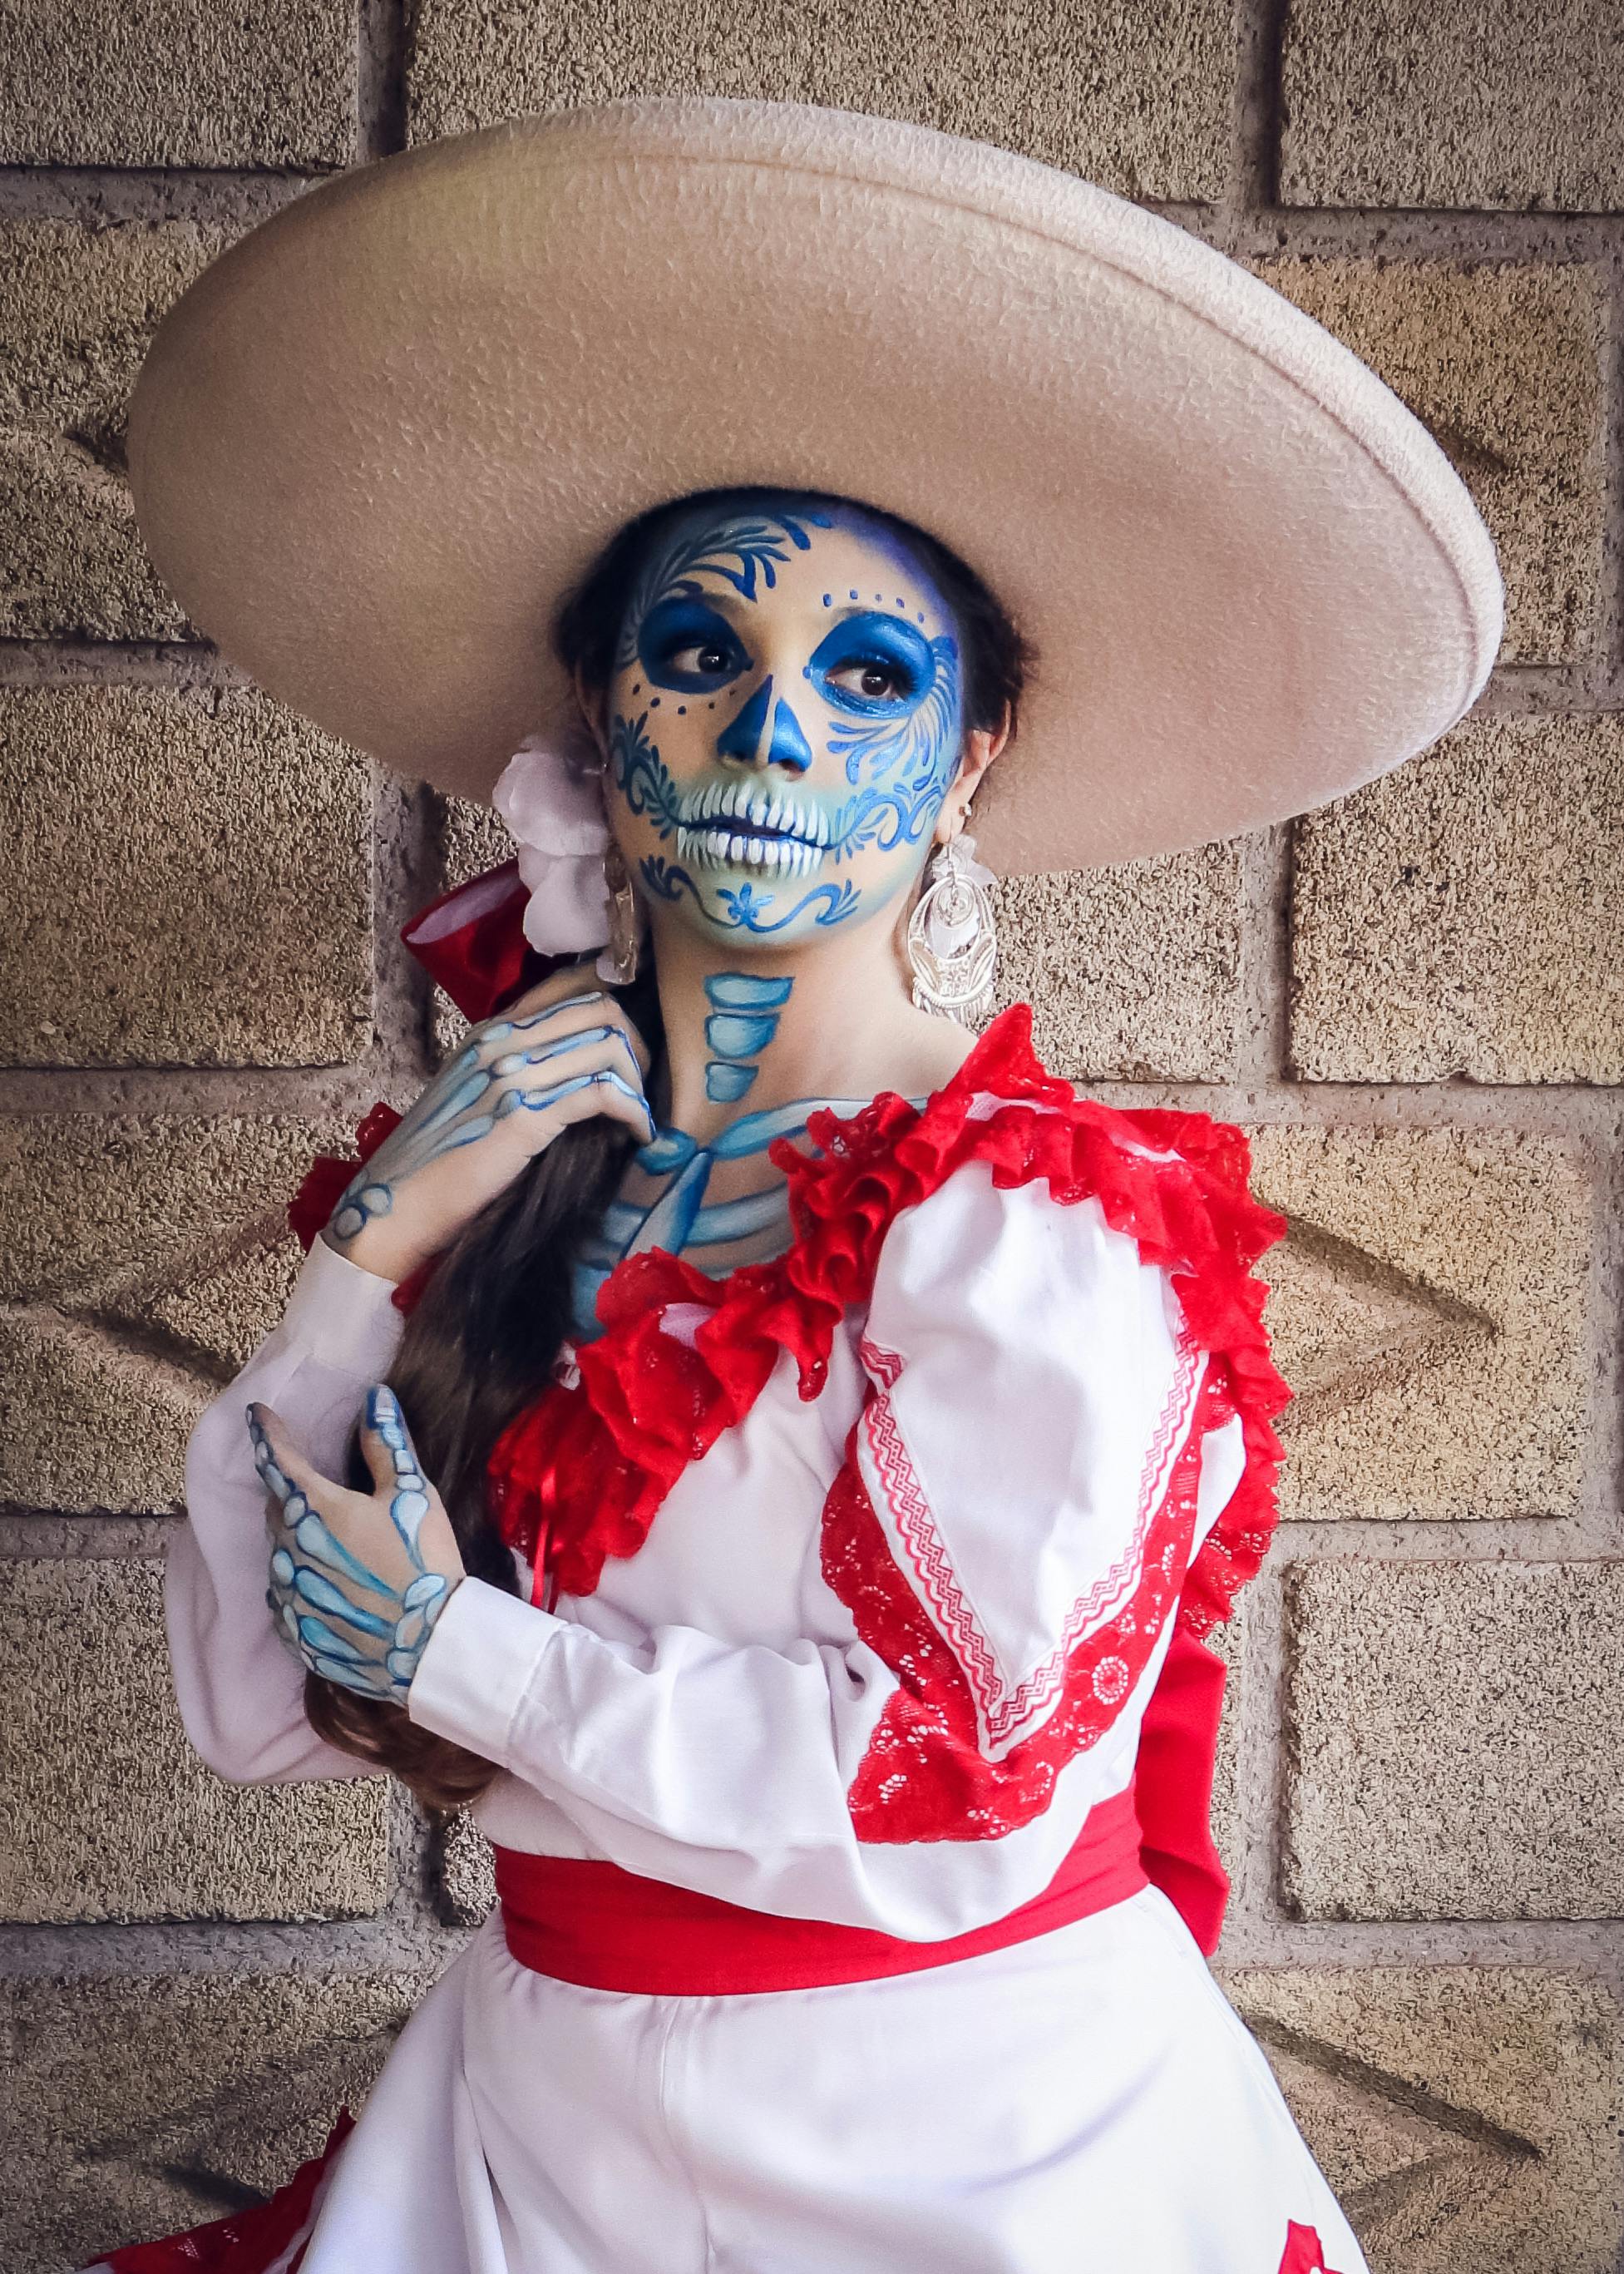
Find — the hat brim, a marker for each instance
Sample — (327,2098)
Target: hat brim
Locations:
(376,440)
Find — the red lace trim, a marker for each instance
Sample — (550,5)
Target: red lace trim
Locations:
(580,1475)
(1003,1711)
(924,1775)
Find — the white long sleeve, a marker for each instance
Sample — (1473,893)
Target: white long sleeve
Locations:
(240,1689)
(1030,1390)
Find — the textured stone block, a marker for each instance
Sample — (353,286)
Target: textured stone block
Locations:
(1134,96)
(1455,1732)
(1503,365)
(78,310)
(1461,917)
(189,882)
(105,1811)
(1466,2117)
(1430,1310)
(464,1872)
(179,83)
(1133,972)
(145,1258)
(1509,103)
(135,2106)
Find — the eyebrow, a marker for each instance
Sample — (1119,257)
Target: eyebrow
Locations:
(732,604)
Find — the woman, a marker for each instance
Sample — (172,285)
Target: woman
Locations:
(815,1439)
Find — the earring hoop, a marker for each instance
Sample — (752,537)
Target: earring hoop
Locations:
(952,940)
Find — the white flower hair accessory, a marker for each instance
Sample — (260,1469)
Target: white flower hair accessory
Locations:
(553,807)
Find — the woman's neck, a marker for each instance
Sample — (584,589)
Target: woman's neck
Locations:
(751,1034)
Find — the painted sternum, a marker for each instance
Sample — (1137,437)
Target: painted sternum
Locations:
(743,1019)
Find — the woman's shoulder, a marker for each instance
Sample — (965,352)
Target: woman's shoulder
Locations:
(1178,1184)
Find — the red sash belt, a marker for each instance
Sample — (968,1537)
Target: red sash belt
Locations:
(607,1929)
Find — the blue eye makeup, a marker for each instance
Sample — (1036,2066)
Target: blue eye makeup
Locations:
(867,644)
(687,646)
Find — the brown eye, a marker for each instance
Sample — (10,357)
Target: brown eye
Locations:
(874,681)
(709,659)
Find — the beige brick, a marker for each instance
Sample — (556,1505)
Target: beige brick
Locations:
(1503,365)
(1460,916)
(1455,1731)
(1508,103)
(79,307)
(179,83)
(1133,972)
(144,1259)
(135,2106)
(1135,96)
(468,838)
(1430,1311)
(105,1811)
(185,888)
(1466,2117)
(465,1870)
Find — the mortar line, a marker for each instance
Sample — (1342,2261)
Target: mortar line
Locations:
(1257,114)
(1608,676)
(380,76)
(100,197)
(1264,973)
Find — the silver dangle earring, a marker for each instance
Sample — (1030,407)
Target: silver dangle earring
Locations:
(618,961)
(952,941)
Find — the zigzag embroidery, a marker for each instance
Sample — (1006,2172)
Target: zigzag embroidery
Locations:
(1005,1711)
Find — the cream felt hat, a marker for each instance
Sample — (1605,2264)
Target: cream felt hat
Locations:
(378,439)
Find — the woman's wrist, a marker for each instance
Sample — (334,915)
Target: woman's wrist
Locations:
(371,1255)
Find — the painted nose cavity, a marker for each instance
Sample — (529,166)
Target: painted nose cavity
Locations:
(788,746)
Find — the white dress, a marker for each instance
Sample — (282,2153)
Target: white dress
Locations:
(870,1563)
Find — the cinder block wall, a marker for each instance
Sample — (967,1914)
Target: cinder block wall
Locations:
(1411,998)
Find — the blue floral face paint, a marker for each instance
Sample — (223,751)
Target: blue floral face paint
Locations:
(786,718)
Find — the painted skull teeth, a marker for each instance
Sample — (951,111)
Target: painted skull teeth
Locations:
(721,848)
(752,824)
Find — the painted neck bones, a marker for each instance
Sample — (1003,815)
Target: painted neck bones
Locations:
(786,718)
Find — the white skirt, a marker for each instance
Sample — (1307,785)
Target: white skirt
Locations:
(1085,2103)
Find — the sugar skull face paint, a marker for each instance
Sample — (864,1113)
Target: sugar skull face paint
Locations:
(784,719)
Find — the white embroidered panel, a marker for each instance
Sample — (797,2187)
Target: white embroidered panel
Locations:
(1035,1386)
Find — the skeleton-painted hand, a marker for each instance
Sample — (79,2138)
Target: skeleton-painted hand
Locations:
(357,1579)
(564,1052)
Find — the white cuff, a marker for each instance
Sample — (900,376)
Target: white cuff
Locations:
(477,1664)
(342,1315)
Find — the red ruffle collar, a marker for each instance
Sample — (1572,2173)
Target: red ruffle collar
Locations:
(580,1475)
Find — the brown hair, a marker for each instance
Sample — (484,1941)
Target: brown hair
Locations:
(480,1344)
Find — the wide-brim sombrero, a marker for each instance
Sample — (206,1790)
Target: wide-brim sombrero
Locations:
(375,441)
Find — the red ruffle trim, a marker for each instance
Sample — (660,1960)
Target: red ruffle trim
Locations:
(580,1474)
